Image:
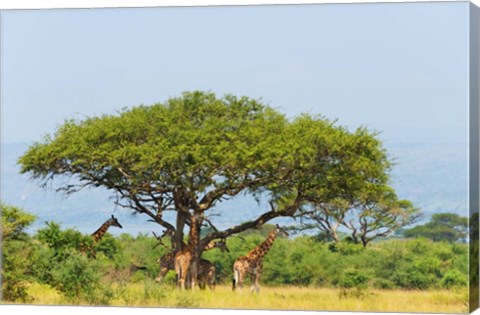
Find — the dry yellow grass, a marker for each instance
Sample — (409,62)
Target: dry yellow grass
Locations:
(286,298)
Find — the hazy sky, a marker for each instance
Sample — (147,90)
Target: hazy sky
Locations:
(398,68)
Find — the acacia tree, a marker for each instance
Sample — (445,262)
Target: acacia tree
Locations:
(363,220)
(189,153)
(448,227)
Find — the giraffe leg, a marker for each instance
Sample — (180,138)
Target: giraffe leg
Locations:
(241,277)
(239,271)
(236,278)
(256,282)
(211,278)
(180,278)
(253,276)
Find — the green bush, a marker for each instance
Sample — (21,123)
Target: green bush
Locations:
(454,278)
(77,277)
(16,252)
(353,283)
(61,242)
(15,270)
(52,257)
(353,278)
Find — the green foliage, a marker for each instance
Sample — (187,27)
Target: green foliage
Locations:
(448,227)
(353,283)
(16,252)
(108,245)
(59,262)
(454,278)
(59,241)
(14,222)
(353,278)
(416,264)
(391,264)
(51,257)
(15,270)
(76,277)
(167,155)
(348,248)
(180,142)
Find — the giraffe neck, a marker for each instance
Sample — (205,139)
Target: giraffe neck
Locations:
(262,249)
(98,234)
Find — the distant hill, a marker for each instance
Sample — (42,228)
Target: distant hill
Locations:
(433,176)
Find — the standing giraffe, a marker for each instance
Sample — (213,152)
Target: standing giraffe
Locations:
(99,233)
(252,262)
(185,260)
(167,261)
(206,274)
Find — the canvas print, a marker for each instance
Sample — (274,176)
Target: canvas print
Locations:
(285,157)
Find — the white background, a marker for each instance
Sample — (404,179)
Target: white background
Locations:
(29,4)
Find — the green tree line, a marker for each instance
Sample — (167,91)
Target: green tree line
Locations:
(52,257)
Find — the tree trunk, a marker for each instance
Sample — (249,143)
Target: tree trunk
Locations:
(197,249)
(178,237)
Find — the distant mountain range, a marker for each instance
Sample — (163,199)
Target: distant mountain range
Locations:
(433,176)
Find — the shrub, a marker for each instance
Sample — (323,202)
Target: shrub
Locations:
(16,262)
(77,277)
(384,284)
(353,283)
(454,278)
(15,269)
(353,278)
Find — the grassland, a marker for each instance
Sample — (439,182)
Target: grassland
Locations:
(149,294)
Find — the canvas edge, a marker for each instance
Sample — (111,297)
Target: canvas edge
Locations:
(474,104)
(87,4)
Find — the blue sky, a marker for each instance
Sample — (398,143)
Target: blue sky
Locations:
(398,68)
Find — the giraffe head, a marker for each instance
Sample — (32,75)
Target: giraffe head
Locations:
(279,231)
(114,222)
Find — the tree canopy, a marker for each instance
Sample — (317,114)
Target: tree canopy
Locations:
(361,218)
(190,152)
(15,252)
(14,221)
(449,227)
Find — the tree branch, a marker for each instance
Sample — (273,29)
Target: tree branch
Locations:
(262,219)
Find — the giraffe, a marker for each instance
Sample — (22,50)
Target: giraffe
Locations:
(167,261)
(99,233)
(252,262)
(206,274)
(185,260)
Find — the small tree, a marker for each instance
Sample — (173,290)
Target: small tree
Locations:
(449,227)
(60,263)
(362,215)
(16,251)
